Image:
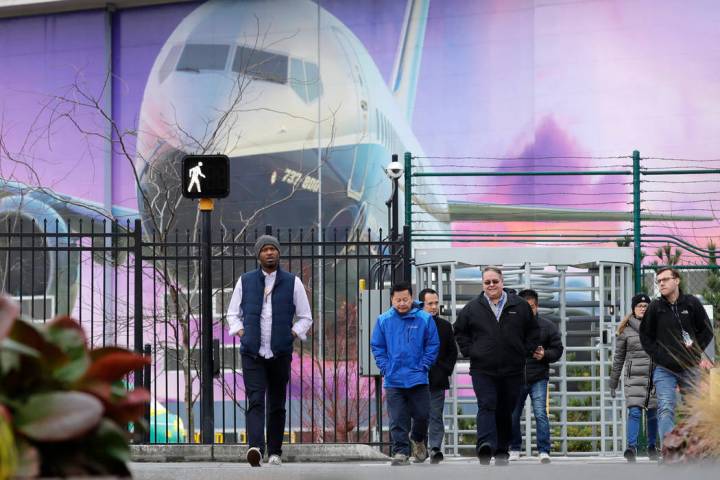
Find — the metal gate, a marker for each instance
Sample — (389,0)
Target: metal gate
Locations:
(586,292)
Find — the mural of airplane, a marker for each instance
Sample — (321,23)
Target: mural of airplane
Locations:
(292,96)
(295,100)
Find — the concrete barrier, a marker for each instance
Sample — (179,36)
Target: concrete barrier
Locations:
(327,452)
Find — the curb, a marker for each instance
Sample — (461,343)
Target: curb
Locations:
(323,452)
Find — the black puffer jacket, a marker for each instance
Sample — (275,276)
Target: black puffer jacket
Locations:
(639,391)
(551,341)
(661,332)
(497,347)
(447,356)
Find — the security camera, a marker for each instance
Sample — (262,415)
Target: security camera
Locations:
(394,170)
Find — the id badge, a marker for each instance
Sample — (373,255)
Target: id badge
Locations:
(687,340)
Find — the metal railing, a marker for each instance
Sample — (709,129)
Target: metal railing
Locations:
(142,292)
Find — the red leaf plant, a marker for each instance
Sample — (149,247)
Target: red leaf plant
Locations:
(65,408)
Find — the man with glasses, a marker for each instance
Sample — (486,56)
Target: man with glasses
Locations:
(498,332)
(675,332)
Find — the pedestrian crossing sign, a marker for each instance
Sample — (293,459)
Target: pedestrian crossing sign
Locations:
(205,176)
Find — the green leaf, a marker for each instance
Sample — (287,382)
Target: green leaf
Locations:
(113,442)
(67,334)
(26,334)
(58,416)
(72,371)
(9,361)
(28,461)
(10,345)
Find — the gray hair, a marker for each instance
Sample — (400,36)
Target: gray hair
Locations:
(492,269)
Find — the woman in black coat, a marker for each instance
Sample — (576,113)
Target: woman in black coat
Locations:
(639,392)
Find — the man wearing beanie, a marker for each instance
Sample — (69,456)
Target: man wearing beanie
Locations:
(261,312)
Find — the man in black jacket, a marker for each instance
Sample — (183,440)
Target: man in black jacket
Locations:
(674,332)
(439,373)
(497,331)
(537,374)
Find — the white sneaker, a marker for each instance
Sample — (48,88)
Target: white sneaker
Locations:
(274,460)
(514,455)
(544,457)
(399,459)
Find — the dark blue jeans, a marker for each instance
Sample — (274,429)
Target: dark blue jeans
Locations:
(538,397)
(665,383)
(496,399)
(437,424)
(406,406)
(634,419)
(266,377)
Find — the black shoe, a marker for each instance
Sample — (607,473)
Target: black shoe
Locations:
(652,454)
(436,456)
(630,454)
(484,453)
(502,459)
(254,456)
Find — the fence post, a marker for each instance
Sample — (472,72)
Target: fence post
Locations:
(146,383)
(407,271)
(408,188)
(207,406)
(138,310)
(636,222)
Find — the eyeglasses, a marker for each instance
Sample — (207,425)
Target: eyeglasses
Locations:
(664,279)
(491,282)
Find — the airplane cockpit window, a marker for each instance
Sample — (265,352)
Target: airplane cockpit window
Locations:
(270,67)
(314,85)
(196,57)
(169,64)
(297,78)
(305,79)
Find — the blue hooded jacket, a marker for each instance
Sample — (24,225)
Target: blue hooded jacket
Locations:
(405,347)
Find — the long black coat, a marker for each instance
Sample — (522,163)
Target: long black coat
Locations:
(551,341)
(495,347)
(447,356)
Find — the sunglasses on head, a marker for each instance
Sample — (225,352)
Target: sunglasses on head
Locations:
(491,282)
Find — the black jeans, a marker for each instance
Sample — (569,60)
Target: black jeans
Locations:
(406,405)
(263,376)
(496,399)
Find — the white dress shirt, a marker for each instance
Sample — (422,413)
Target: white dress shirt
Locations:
(302,312)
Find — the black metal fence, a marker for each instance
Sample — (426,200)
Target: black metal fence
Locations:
(142,291)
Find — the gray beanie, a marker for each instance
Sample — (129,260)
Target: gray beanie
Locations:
(266,240)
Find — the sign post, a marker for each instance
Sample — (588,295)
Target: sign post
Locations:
(206,177)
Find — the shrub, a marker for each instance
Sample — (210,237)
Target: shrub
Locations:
(63,408)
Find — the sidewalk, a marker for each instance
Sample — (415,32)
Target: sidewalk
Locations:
(561,468)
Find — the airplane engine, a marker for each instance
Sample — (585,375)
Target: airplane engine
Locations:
(37,265)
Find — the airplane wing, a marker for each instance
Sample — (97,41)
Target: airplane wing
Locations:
(488,212)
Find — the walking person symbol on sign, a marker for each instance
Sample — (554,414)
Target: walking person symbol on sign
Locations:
(195,174)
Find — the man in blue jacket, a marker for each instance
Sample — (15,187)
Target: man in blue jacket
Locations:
(405,344)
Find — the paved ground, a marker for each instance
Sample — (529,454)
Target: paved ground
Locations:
(455,469)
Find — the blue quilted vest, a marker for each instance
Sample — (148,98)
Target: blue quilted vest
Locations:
(283,311)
